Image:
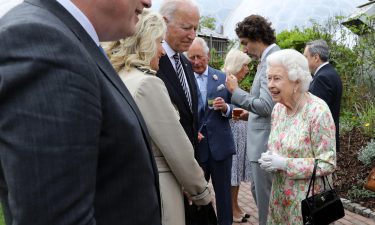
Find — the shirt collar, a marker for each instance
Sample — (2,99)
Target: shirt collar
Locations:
(204,74)
(266,51)
(316,71)
(168,50)
(81,18)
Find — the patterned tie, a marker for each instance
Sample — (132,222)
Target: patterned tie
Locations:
(182,78)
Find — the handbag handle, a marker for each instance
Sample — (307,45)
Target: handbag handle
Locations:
(312,180)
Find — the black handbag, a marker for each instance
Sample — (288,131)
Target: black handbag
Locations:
(200,215)
(323,208)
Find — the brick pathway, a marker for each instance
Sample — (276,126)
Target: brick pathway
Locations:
(247,203)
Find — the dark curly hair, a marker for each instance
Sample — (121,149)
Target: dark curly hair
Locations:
(256,28)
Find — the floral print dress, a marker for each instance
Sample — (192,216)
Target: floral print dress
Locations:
(302,138)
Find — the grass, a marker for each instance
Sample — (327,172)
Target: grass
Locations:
(2,222)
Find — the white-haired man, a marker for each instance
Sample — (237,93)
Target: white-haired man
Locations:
(182,19)
(216,145)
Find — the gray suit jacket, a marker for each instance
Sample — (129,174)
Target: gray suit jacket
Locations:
(74,148)
(259,103)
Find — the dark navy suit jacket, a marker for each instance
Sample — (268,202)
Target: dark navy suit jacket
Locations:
(326,84)
(188,118)
(214,126)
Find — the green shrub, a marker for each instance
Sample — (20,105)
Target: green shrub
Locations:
(366,115)
(348,121)
(367,153)
(358,192)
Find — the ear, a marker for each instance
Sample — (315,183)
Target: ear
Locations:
(297,86)
(165,19)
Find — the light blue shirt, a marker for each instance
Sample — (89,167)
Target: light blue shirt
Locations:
(81,18)
(202,84)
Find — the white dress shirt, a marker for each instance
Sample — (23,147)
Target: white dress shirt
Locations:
(81,18)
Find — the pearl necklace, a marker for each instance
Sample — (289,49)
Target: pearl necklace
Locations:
(296,108)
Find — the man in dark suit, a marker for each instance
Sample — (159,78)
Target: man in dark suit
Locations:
(74,148)
(326,83)
(182,19)
(216,145)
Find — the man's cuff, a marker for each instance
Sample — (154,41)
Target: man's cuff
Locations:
(227,113)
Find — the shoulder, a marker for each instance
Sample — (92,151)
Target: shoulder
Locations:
(317,106)
(212,71)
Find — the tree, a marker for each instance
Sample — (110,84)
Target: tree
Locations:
(207,21)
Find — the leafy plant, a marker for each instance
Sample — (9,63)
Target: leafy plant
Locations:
(366,115)
(348,121)
(207,21)
(358,192)
(367,153)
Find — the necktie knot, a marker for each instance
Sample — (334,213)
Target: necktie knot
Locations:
(176,57)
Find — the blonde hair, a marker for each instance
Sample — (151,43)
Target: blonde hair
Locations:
(234,61)
(139,49)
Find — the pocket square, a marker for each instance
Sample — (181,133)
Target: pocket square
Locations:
(220,87)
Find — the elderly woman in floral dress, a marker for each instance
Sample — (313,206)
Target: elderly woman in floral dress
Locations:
(302,130)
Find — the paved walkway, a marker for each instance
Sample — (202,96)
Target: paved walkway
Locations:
(247,203)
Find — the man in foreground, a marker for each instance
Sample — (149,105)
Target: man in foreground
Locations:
(74,146)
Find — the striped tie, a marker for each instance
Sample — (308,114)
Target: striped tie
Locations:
(182,78)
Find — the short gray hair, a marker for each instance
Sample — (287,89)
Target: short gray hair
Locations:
(234,61)
(203,44)
(319,47)
(295,63)
(169,7)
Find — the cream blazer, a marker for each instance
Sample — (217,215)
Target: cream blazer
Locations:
(172,149)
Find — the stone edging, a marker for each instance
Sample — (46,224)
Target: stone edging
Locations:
(358,209)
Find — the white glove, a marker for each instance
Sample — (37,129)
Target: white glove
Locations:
(271,162)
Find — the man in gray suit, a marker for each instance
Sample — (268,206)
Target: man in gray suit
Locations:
(258,40)
(74,148)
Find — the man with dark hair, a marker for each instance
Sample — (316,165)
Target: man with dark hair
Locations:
(326,83)
(258,40)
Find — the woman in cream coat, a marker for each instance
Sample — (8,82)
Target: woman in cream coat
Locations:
(137,59)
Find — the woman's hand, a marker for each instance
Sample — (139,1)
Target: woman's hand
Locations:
(271,162)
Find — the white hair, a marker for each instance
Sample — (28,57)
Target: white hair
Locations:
(168,8)
(234,61)
(203,44)
(295,63)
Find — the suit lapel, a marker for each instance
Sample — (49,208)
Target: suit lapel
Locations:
(173,79)
(193,86)
(212,83)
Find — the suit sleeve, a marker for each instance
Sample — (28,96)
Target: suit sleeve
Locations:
(323,88)
(261,105)
(50,121)
(167,133)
